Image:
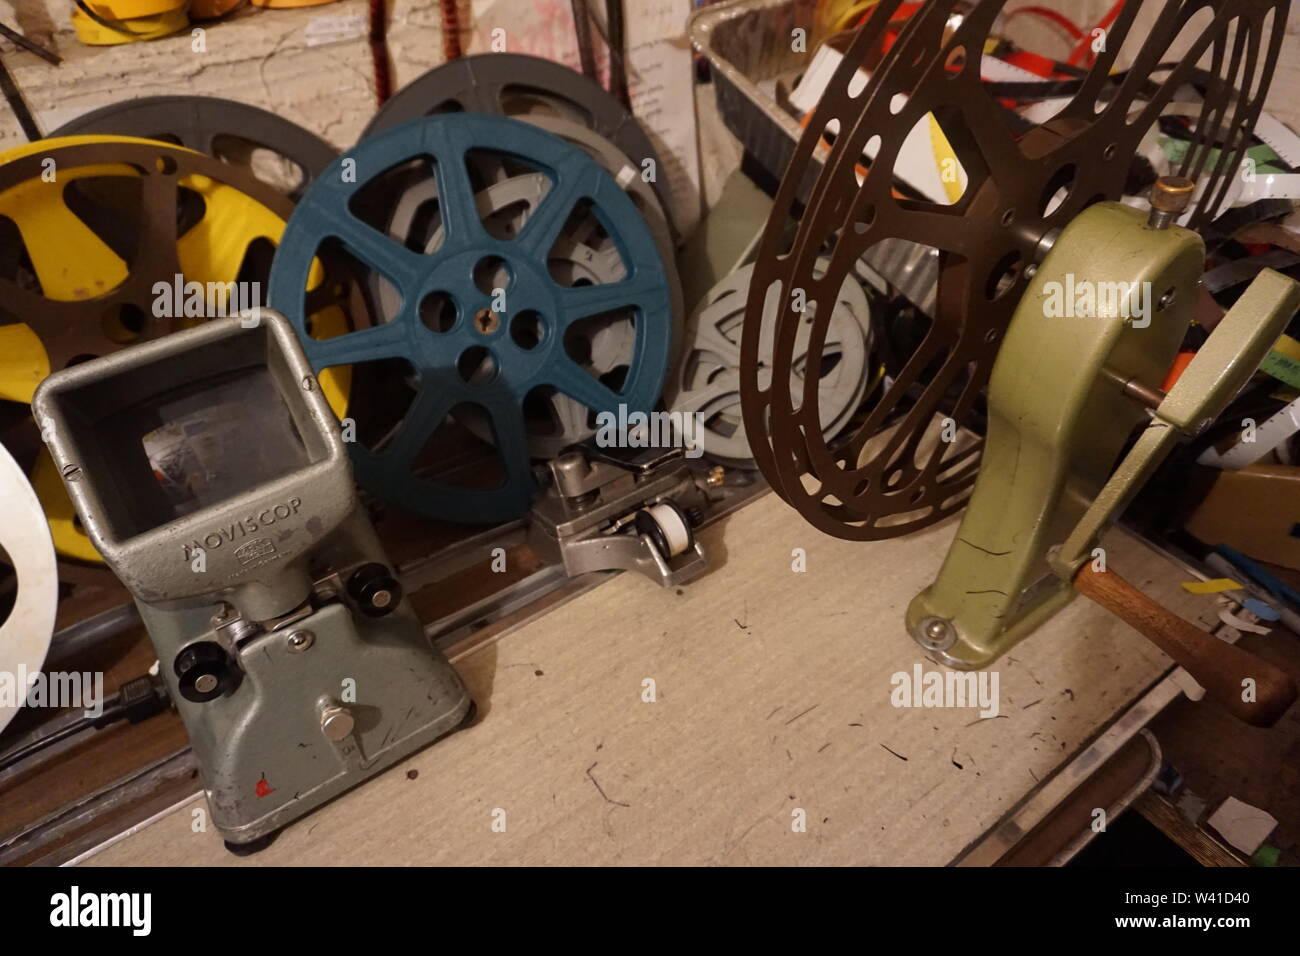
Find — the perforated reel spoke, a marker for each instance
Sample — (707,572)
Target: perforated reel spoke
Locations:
(991,220)
(273,149)
(472,315)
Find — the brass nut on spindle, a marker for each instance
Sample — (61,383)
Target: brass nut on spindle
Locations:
(1170,197)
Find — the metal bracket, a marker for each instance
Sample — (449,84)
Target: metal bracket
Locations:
(1221,367)
(587,517)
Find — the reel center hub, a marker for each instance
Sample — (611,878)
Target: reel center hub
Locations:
(486,321)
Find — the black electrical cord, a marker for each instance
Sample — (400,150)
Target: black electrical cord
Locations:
(14,97)
(48,56)
(582,29)
(136,700)
(617,50)
(117,26)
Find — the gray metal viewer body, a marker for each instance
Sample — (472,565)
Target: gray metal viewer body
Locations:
(208,470)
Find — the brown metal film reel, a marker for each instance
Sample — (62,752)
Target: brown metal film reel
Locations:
(1020,191)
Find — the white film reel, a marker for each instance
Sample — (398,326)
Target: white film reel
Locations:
(708,383)
(25,538)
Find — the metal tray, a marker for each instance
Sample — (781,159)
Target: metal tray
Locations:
(748,46)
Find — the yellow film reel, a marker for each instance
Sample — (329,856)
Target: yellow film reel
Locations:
(70,261)
(128,30)
(283,4)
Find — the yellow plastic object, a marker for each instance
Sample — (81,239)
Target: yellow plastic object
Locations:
(130,30)
(132,9)
(70,540)
(211,9)
(1212,586)
(945,158)
(72,263)
(23,363)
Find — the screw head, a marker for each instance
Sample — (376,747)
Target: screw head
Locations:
(205,683)
(299,641)
(936,633)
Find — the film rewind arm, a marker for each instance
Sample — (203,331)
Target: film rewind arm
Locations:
(1066,392)
(1219,370)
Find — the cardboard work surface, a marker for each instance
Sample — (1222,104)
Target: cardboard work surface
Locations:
(771,738)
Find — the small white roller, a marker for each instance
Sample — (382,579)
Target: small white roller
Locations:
(674,528)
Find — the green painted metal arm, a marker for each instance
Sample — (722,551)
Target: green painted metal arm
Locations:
(1220,368)
(1058,421)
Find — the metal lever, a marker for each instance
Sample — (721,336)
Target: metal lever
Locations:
(1223,669)
(1227,360)
(1219,370)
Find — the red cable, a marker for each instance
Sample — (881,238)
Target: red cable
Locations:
(450,29)
(1060,19)
(379,51)
(1085,45)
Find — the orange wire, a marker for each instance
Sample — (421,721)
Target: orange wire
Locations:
(857,167)
(1060,19)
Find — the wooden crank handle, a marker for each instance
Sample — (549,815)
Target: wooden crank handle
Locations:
(1217,666)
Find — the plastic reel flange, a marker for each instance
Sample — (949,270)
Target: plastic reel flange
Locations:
(219,127)
(439,357)
(897,474)
(571,261)
(515,84)
(26,630)
(582,257)
(708,383)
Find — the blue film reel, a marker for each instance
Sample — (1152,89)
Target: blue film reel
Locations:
(324,213)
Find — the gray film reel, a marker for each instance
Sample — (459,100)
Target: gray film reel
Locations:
(708,379)
(643,196)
